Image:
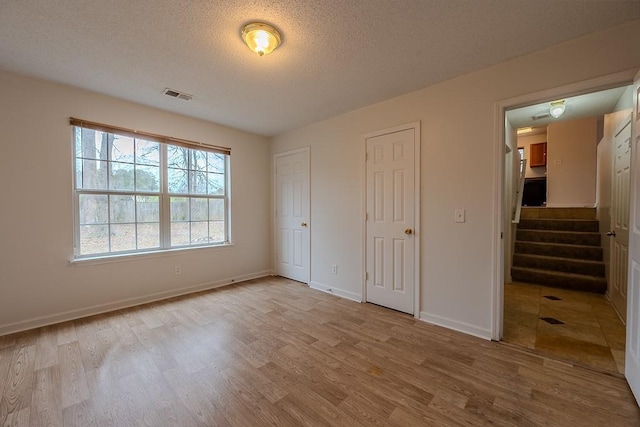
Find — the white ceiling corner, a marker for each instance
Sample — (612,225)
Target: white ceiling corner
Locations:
(587,105)
(336,55)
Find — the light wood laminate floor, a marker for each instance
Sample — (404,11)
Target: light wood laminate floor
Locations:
(274,352)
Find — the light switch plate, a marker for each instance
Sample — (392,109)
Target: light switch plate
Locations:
(459,215)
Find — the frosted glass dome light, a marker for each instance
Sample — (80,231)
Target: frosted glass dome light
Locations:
(557,108)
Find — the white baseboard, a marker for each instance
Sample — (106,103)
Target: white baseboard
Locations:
(124,303)
(607,295)
(455,325)
(335,291)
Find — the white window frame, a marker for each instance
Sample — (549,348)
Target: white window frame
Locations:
(164,196)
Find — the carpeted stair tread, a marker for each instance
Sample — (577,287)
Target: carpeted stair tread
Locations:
(553,263)
(588,225)
(559,247)
(555,236)
(557,213)
(560,279)
(560,274)
(563,250)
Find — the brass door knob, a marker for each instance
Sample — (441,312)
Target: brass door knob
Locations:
(304,224)
(408,231)
(611,233)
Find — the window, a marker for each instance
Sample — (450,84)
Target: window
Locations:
(138,192)
(521,152)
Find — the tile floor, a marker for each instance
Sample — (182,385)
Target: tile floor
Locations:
(589,331)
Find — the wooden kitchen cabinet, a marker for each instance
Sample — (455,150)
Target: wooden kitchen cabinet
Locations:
(538,155)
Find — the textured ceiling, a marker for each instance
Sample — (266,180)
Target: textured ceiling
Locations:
(587,105)
(337,55)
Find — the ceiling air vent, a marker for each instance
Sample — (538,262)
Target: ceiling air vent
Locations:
(177,94)
(540,116)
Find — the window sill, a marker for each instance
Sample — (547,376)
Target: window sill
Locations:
(107,259)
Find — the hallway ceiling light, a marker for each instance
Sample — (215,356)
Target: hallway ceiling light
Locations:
(524,130)
(261,38)
(557,108)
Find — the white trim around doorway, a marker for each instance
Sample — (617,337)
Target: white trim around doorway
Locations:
(501,107)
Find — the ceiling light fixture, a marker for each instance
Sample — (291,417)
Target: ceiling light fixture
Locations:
(524,130)
(261,38)
(557,108)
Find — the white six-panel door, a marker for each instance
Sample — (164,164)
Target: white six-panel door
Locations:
(292,215)
(390,212)
(632,359)
(620,219)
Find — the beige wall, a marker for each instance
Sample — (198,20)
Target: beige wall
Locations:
(458,161)
(525,142)
(37,283)
(571,163)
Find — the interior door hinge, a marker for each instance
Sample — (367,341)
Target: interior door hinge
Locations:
(501,234)
(366,276)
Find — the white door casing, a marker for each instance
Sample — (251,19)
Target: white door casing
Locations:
(292,235)
(632,352)
(391,239)
(501,107)
(619,233)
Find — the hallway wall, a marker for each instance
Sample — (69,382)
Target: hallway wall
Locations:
(571,163)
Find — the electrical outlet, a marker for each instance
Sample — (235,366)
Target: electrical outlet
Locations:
(177,269)
(459,215)
(334,268)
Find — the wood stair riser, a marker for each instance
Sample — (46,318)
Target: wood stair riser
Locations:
(593,253)
(590,268)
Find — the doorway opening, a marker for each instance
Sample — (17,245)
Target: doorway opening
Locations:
(564,193)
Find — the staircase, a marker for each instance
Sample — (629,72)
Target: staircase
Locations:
(559,247)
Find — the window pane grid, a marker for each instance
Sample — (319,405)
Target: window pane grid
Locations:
(196,172)
(197,220)
(118,222)
(123,185)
